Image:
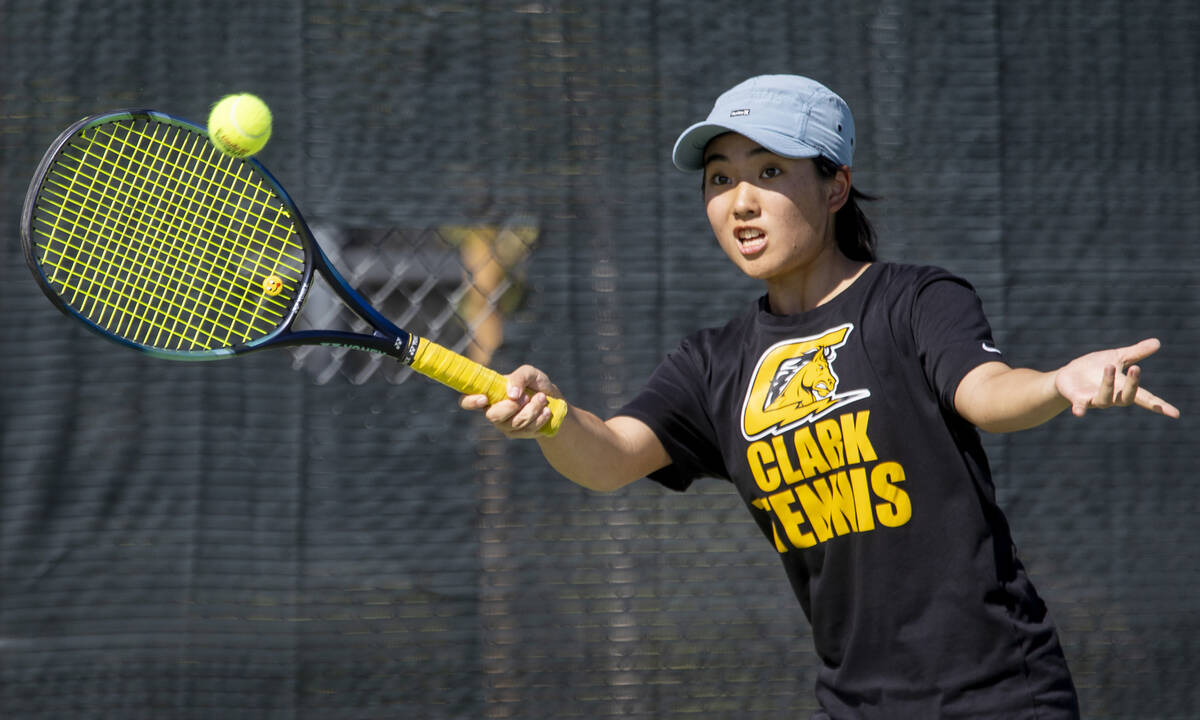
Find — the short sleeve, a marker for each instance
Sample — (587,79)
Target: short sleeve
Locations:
(673,404)
(952,333)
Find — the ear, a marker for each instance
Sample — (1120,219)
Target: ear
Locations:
(839,189)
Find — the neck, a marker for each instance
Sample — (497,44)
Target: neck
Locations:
(799,294)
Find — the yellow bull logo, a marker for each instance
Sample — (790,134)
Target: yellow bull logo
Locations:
(800,381)
(795,382)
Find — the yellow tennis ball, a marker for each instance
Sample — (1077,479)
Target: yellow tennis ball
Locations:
(240,125)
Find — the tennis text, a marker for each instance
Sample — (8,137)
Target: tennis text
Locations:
(825,480)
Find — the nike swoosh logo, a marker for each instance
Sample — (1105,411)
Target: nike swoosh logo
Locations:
(989,348)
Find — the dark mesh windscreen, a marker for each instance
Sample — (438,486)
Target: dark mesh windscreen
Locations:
(287,537)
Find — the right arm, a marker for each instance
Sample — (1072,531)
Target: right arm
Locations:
(601,455)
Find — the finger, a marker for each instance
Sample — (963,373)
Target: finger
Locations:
(527,418)
(1150,401)
(1140,351)
(1104,394)
(503,412)
(473,402)
(1129,388)
(546,416)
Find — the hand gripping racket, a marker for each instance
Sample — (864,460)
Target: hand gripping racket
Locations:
(139,228)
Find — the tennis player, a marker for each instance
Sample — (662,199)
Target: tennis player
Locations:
(844,405)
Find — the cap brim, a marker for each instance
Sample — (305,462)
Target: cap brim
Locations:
(688,154)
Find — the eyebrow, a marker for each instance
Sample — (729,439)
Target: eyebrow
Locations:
(715,157)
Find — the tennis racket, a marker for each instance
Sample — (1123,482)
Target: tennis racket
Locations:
(138,227)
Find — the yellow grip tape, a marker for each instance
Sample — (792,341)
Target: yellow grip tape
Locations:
(470,378)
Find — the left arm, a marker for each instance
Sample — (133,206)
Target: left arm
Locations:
(999,398)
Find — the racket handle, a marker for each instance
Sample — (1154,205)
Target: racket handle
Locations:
(471,378)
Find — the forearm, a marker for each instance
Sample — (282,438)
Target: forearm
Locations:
(597,454)
(997,398)
(600,455)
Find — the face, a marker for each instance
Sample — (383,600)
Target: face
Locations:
(773,216)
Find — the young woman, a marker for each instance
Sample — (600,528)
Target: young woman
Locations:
(843,406)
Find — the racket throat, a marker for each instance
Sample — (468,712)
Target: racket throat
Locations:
(405,347)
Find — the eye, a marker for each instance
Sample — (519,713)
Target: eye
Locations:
(771,172)
(718,179)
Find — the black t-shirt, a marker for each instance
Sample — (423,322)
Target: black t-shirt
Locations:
(837,427)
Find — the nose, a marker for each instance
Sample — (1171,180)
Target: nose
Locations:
(745,201)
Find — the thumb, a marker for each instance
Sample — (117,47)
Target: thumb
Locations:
(521,379)
(1140,351)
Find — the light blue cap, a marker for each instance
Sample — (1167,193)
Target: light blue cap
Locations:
(790,115)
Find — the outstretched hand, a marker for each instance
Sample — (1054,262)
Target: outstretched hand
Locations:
(1110,378)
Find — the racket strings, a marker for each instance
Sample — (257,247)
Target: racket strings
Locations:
(119,211)
(150,233)
(181,224)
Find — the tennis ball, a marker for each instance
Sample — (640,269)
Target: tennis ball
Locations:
(239,125)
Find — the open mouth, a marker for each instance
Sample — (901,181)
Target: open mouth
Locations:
(750,240)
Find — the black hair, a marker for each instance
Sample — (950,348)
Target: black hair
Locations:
(853,230)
